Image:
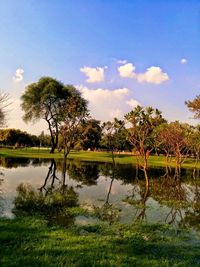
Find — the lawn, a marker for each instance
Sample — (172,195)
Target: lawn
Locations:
(91,156)
(29,241)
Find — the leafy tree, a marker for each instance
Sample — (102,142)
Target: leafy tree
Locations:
(111,133)
(45,139)
(194,144)
(44,100)
(17,137)
(91,134)
(73,113)
(174,138)
(143,121)
(4,103)
(194,106)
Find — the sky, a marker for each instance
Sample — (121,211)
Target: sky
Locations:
(118,53)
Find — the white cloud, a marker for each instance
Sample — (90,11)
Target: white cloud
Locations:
(18,75)
(127,70)
(132,103)
(122,61)
(106,104)
(153,74)
(94,75)
(183,61)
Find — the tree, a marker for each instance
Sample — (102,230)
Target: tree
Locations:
(44,100)
(16,137)
(91,134)
(143,121)
(174,138)
(4,103)
(194,106)
(111,134)
(73,112)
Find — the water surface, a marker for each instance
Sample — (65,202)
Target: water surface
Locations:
(115,193)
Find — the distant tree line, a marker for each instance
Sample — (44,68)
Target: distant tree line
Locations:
(143,131)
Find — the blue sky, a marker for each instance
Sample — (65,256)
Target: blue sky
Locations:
(86,43)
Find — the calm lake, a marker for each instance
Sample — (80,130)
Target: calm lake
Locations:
(115,193)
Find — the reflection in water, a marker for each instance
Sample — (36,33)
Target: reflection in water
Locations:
(53,205)
(1,198)
(116,192)
(50,201)
(108,211)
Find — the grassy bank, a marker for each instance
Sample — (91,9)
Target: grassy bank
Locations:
(30,242)
(91,156)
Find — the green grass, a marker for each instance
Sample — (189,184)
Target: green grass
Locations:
(30,242)
(91,156)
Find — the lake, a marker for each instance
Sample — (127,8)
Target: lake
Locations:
(112,193)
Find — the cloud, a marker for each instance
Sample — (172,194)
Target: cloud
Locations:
(183,61)
(94,75)
(127,70)
(153,74)
(18,75)
(106,104)
(122,61)
(132,103)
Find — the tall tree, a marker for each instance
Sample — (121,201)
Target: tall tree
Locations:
(194,106)
(91,134)
(143,121)
(4,103)
(44,100)
(111,134)
(73,113)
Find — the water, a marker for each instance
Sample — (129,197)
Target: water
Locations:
(112,194)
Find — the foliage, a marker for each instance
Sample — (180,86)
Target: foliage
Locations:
(32,201)
(174,138)
(16,137)
(46,100)
(143,121)
(91,132)
(194,106)
(73,112)
(4,103)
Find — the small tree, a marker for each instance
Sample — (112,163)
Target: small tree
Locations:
(73,112)
(4,103)
(111,132)
(91,134)
(174,138)
(194,106)
(142,122)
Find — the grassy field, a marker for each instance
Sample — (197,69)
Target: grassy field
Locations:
(91,156)
(30,242)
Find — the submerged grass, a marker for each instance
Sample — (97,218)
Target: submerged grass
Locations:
(91,156)
(30,242)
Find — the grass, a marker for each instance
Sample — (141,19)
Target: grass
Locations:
(91,156)
(28,241)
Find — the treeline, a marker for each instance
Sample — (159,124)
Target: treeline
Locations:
(17,138)
(143,130)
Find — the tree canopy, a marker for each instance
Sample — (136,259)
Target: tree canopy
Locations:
(46,99)
(194,106)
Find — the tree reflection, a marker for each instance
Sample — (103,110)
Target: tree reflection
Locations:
(192,215)
(1,191)
(85,173)
(52,200)
(108,212)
